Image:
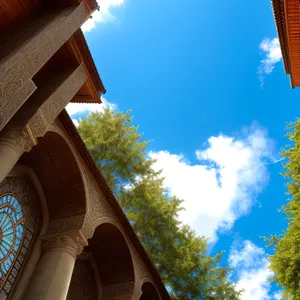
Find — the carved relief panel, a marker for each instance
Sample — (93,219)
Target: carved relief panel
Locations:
(83,284)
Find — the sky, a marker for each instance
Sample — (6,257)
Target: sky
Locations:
(206,85)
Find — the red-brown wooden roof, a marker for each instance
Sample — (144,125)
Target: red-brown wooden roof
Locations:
(287,18)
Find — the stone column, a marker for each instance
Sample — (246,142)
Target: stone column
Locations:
(13,143)
(21,134)
(52,276)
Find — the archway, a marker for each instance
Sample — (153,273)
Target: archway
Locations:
(83,284)
(149,292)
(59,174)
(113,259)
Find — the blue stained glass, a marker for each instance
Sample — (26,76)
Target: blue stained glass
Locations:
(9,239)
(11,235)
(16,246)
(7,265)
(20,228)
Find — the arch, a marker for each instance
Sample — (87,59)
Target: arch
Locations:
(83,284)
(149,292)
(113,260)
(57,169)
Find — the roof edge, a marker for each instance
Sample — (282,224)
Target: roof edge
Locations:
(84,153)
(280,21)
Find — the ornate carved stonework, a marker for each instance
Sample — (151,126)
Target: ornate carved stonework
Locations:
(20,187)
(71,243)
(39,42)
(8,108)
(65,224)
(137,292)
(44,117)
(116,290)
(140,270)
(18,138)
(83,284)
(97,204)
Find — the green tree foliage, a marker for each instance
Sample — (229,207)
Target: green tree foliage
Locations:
(285,263)
(179,254)
(115,146)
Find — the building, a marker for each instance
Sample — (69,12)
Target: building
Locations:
(62,232)
(286,13)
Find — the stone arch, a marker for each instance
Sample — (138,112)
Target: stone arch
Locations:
(84,283)
(113,259)
(149,292)
(58,171)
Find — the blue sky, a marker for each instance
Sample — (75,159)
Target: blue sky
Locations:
(206,84)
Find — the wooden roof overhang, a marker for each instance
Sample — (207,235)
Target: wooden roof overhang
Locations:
(287,19)
(75,49)
(109,196)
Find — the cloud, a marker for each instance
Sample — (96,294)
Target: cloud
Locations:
(79,110)
(272,52)
(223,185)
(251,269)
(102,15)
(278,296)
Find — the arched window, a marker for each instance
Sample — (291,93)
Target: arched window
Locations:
(15,240)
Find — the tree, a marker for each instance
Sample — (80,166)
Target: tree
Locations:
(179,254)
(116,147)
(285,263)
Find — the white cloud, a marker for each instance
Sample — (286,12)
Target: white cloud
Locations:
(272,52)
(251,268)
(75,110)
(278,296)
(103,15)
(223,185)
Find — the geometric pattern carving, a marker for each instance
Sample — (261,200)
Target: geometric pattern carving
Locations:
(35,44)
(123,289)
(97,204)
(83,285)
(65,224)
(19,221)
(57,101)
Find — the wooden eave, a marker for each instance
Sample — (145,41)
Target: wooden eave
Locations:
(93,85)
(84,153)
(286,14)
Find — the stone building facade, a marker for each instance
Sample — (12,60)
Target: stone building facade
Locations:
(62,232)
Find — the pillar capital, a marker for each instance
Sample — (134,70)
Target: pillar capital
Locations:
(72,243)
(19,138)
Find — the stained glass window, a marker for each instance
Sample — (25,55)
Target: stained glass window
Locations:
(14,242)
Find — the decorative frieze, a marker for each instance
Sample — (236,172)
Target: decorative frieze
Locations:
(116,290)
(65,224)
(57,101)
(25,54)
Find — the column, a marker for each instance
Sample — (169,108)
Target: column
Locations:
(34,118)
(52,276)
(13,143)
